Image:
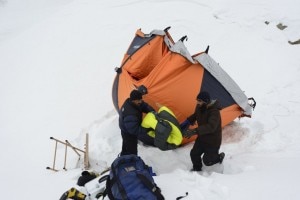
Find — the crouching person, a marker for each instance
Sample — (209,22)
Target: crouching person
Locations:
(209,131)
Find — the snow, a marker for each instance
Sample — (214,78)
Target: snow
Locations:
(57,60)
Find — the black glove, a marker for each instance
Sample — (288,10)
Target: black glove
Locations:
(189,133)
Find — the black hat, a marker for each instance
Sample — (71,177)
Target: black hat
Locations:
(135,95)
(204,96)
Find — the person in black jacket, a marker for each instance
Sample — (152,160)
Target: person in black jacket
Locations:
(209,132)
(130,119)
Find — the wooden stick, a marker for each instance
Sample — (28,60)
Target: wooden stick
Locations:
(53,168)
(65,162)
(74,148)
(54,155)
(86,155)
(67,144)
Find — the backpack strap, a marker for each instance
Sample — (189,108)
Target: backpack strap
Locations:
(107,190)
(115,180)
(180,197)
(152,187)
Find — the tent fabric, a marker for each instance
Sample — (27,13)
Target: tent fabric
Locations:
(233,89)
(173,78)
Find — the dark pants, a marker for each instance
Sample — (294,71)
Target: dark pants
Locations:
(146,139)
(210,155)
(129,145)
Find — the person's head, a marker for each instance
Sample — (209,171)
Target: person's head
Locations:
(136,97)
(203,98)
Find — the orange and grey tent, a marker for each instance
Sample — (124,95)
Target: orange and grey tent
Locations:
(173,78)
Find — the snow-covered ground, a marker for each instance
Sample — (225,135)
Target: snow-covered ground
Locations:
(57,60)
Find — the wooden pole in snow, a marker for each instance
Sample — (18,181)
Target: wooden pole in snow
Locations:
(86,155)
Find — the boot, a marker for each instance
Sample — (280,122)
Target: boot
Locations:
(221,156)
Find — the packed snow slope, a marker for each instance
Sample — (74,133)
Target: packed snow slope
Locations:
(57,60)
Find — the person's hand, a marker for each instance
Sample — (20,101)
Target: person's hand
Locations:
(189,133)
(185,125)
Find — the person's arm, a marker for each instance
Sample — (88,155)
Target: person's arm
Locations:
(133,126)
(192,119)
(214,119)
(146,107)
(184,126)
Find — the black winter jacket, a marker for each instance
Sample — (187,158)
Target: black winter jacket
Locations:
(130,117)
(209,124)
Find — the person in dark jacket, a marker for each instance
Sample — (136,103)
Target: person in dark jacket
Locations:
(130,119)
(209,131)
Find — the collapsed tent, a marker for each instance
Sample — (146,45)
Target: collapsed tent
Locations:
(172,77)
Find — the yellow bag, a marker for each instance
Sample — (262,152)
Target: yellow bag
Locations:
(150,121)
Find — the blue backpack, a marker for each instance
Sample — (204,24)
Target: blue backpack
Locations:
(131,179)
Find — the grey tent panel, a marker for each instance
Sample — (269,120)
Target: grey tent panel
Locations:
(233,89)
(211,85)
